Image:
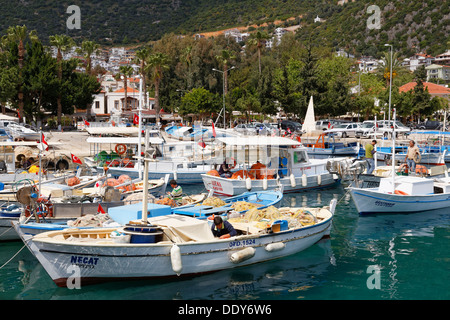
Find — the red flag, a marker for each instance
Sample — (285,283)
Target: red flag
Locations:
(329,125)
(213,130)
(18,114)
(44,142)
(202,144)
(87,124)
(113,123)
(75,159)
(135,119)
(100,209)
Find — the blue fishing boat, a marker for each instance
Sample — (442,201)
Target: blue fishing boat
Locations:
(121,215)
(186,133)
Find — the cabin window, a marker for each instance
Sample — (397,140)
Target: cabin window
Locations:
(300,157)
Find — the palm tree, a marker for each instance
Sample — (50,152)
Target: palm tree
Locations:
(126,71)
(63,43)
(87,49)
(225,58)
(20,34)
(397,68)
(258,39)
(141,58)
(157,63)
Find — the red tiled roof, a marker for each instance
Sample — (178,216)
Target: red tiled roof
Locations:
(432,88)
(129,89)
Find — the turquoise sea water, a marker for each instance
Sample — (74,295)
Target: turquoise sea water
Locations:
(382,257)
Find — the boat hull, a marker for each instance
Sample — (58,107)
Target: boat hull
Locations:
(90,263)
(232,187)
(370,201)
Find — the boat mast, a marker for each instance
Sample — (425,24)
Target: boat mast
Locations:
(140,129)
(393,150)
(145,187)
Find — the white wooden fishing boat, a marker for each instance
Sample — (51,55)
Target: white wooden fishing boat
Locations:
(173,245)
(183,161)
(403,194)
(286,164)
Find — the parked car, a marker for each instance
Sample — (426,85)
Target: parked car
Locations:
(385,127)
(430,125)
(344,130)
(245,128)
(326,124)
(263,129)
(367,129)
(293,126)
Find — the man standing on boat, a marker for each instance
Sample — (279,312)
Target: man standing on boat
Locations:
(411,155)
(370,151)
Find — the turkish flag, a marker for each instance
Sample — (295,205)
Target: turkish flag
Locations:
(213,130)
(44,142)
(87,124)
(202,143)
(135,119)
(100,209)
(75,159)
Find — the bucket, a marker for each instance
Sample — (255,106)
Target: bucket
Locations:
(143,234)
(280,225)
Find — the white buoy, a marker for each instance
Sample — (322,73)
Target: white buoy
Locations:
(292,178)
(264,183)
(304,180)
(248,183)
(319,179)
(175,175)
(242,255)
(271,247)
(175,258)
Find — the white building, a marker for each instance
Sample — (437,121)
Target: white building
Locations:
(107,101)
(417,60)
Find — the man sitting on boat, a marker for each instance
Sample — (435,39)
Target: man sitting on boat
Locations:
(224,170)
(177,191)
(222,229)
(411,154)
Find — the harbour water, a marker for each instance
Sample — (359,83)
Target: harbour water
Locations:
(380,257)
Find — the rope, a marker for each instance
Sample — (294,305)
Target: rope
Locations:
(6,231)
(12,257)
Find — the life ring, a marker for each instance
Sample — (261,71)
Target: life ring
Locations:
(417,157)
(44,208)
(120,148)
(404,167)
(402,193)
(421,170)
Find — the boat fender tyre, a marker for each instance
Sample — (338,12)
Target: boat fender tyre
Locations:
(242,255)
(277,246)
(120,148)
(175,259)
(62,165)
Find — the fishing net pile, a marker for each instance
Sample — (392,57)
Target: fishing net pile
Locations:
(243,206)
(89,220)
(213,201)
(263,218)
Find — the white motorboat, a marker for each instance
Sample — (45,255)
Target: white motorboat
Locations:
(283,163)
(403,194)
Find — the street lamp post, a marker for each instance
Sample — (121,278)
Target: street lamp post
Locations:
(390,81)
(223,109)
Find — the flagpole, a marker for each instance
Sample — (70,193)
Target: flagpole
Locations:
(40,165)
(140,129)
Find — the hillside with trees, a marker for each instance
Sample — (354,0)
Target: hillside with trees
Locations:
(408,25)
